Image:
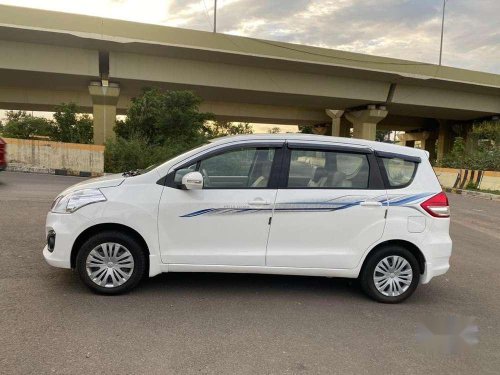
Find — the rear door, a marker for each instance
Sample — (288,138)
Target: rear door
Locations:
(329,209)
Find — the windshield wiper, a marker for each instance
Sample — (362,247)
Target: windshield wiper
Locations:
(132,173)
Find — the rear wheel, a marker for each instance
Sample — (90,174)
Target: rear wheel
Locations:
(110,263)
(390,275)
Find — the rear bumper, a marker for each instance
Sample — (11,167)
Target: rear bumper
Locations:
(437,261)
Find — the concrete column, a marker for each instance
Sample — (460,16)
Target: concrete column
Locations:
(104,100)
(365,121)
(429,145)
(345,128)
(445,139)
(336,115)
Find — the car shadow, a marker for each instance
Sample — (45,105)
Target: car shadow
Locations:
(248,284)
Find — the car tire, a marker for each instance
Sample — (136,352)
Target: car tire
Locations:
(111,262)
(390,275)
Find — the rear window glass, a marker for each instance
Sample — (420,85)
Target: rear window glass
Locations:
(328,170)
(399,172)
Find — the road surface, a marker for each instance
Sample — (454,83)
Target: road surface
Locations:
(232,324)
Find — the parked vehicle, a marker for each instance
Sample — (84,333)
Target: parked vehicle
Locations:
(3,155)
(275,204)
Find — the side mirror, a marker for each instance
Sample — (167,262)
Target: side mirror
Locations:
(192,181)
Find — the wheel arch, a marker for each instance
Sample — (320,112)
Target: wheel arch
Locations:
(91,231)
(398,242)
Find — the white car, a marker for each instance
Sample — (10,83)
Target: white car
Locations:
(275,204)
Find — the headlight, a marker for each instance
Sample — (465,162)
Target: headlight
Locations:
(66,204)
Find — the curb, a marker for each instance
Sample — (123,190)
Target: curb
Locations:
(59,172)
(472,193)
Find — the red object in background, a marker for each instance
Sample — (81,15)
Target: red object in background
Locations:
(3,154)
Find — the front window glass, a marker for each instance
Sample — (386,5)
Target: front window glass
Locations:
(245,168)
(328,169)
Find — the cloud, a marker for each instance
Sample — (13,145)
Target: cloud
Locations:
(408,29)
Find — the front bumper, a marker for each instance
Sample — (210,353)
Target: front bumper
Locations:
(67,228)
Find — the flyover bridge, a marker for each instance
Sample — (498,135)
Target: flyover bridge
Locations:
(100,64)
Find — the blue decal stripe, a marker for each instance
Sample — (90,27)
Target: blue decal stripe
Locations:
(331,205)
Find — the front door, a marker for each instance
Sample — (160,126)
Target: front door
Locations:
(328,213)
(227,222)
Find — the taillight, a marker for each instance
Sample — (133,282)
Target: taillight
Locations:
(437,205)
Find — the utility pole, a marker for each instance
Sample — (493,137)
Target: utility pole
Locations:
(215,16)
(442,32)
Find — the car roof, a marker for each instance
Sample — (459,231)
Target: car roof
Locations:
(313,138)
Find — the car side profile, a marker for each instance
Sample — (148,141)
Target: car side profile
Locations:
(276,204)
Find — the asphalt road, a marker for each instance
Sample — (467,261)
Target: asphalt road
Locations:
(232,324)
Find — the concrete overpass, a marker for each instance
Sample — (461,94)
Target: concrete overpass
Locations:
(51,57)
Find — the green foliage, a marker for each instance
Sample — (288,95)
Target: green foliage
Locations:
(274,130)
(160,125)
(487,131)
(71,127)
(68,125)
(484,156)
(161,117)
(22,125)
(136,153)
(224,128)
(471,186)
(306,129)
(383,136)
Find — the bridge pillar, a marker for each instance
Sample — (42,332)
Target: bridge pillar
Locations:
(364,122)
(104,100)
(445,139)
(336,116)
(429,145)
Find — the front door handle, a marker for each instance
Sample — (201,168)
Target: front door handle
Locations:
(371,204)
(259,202)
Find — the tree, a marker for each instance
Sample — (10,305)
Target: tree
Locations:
(159,117)
(274,130)
(159,125)
(23,125)
(306,129)
(223,128)
(71,127)
(383,136)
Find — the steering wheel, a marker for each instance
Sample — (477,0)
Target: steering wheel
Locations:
(206,179)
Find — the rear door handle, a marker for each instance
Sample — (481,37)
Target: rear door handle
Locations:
(259,202)
(371,204)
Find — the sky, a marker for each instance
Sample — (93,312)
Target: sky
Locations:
(408,29)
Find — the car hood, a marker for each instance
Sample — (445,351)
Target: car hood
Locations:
(99,182)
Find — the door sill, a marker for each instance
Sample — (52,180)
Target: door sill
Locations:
(327,272)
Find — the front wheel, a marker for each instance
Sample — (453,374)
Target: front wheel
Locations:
(390,275)
(110,263)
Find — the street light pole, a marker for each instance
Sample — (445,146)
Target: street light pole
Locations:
(215,16)
(442,32)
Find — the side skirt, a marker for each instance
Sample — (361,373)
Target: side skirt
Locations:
(326,272)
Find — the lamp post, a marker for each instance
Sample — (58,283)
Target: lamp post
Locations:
(215,16)
(442,32)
